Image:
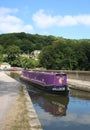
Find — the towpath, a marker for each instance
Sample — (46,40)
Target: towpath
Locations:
(9,88)
(79,84)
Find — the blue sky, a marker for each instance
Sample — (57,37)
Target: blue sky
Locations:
(63,18)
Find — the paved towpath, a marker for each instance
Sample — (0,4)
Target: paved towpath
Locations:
(9,89)
(79,84)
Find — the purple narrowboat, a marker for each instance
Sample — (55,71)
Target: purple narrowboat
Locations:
(49,81)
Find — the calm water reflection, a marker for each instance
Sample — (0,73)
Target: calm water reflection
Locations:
(53,105)
(56,112)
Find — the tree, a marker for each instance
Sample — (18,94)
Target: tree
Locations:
(28,63)
(13,55)
(1,49)
(1,53)
(46,58)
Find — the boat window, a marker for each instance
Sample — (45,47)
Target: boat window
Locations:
(58,74)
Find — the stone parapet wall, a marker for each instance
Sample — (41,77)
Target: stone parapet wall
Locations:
(77,75)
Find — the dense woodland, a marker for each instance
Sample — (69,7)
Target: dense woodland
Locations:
(26,42)
(56,52)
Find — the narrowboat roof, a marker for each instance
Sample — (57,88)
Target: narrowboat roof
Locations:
(47,73)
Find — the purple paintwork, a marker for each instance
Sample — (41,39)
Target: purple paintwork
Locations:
(48,79)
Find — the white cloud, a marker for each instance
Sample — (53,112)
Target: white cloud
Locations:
(4,11)
(72,117)
(83,19)
(10,23)
(66,21)
(44,20)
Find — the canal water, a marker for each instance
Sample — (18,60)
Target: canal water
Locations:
(61,113)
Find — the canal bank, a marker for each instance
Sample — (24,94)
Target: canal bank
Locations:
(12,103)
(79,85)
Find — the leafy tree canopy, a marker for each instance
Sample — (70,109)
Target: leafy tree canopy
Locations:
(56,52)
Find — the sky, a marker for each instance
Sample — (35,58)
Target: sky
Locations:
(61,18)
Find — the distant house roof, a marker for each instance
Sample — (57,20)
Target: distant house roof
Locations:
(34,54)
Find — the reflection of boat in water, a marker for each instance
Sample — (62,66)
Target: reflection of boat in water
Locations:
(55,105)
